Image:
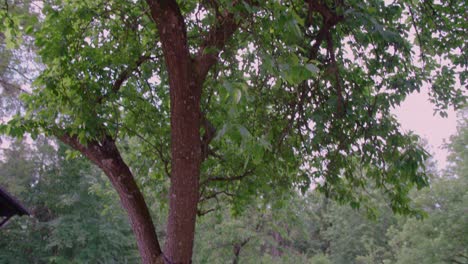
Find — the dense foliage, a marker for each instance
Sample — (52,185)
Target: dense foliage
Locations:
(311,229)
(223,103)
(75,217)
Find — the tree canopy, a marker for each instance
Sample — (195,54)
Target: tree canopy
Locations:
(238,99)
(77,219)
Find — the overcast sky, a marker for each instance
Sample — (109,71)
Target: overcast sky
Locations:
(417,114)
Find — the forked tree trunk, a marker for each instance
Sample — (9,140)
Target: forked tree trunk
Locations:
(185,94)
(186,77)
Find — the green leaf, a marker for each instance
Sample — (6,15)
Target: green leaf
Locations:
(237,95)
(312,68)
(244,132)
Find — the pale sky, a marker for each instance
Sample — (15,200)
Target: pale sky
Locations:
(417,114)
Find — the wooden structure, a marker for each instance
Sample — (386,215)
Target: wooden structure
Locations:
(9,207)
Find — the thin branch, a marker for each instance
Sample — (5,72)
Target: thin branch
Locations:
(11,86)
(210,133)
(232,178)
(202,213)
(330,19)
(318,41)
(20,73)
(418,36)
(125,75)
(158,150)
(336,75)
(213,195)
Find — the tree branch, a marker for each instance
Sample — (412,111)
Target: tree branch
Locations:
(123,76)
(237,247)
(11,87)
(173,35)
(158,150)
(105,154)
(72,141)
(210,133)
(202,213)
(418,36)
(214,42)
(336,75)
(328,15)
(318,41)
(233,178)
(214,195)
(330,19)
(216,39)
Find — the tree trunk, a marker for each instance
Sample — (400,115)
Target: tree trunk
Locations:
(237,247)
(106,155)
(185,94)
(186,77)
(133,202)
(236,251)
(186,159)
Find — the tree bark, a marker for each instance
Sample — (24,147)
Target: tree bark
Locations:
(106,155)
(186,77)
(185,95)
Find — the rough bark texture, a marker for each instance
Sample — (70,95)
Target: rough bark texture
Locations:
(185,95)
(186,77)
(106,155)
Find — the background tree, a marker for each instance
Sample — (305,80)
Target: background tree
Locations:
(241,99)
(441,237)
(67,199)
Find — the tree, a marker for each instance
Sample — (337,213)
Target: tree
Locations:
(262,234)
(355,238)
(241,98)
(67,199)
(440,238)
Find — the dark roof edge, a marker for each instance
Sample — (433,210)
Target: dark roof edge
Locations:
(18,206)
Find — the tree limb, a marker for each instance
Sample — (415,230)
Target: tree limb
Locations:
(336,75)
(173,35)
(105,154)
(232,178)
(202,213)
(214,42)
(330,19)
(123,76)
(214,195)
(217,38)
(210,133)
